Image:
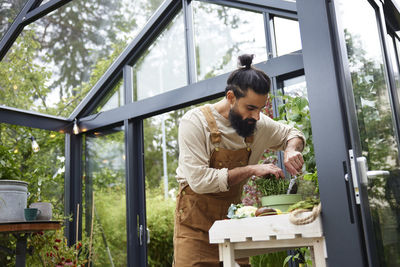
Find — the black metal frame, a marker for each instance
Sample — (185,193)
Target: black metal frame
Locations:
(33,119)
(73,187)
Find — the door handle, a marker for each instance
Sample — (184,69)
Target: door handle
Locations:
(366,174)
(374,174)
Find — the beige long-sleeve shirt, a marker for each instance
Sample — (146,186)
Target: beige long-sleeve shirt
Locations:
(195,147)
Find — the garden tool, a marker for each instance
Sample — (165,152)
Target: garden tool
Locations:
(292,188)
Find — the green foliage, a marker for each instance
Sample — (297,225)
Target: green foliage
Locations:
(302,256)
(307,204)
(270,185)
(109,231)
(51,249)
(9,168)
(295,111)
(160,221)
(308,185)
(268,260)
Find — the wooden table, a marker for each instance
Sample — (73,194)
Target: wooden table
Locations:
(21,230)
(239,238)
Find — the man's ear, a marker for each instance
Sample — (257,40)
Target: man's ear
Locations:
(230,96)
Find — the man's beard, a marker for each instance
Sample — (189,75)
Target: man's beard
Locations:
(242,126)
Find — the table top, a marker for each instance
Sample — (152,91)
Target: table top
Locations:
(262,229)
(30,226)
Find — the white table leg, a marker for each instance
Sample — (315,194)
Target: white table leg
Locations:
(319,253)
(228,254)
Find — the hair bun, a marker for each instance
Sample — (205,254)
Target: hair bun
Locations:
(245,60)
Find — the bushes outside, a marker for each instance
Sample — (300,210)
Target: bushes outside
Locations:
(160,221)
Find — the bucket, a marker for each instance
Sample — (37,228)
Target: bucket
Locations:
(281,202)
(13,198)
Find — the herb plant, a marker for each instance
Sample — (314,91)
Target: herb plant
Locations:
(270,185)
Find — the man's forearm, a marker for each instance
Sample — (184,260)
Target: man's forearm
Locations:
(295,144)
(293,159)
(238,174)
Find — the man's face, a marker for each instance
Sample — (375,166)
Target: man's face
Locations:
(245,112)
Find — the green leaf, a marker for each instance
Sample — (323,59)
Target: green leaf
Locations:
(287,259)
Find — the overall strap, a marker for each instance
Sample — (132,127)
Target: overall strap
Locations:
(212,124)
(249,139)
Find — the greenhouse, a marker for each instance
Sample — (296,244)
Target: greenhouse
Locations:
(92,94)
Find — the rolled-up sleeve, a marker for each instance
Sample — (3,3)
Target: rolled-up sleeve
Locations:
(194,159)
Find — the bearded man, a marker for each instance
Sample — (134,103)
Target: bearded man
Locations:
(219,148)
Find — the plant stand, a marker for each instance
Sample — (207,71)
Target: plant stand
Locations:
(239,238)
(21,230)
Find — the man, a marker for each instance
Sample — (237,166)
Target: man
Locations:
(219,147)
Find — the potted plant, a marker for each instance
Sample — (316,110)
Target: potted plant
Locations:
(275,193)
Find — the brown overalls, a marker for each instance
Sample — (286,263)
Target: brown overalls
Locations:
(195,213)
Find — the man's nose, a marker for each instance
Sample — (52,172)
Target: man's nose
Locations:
(255,115)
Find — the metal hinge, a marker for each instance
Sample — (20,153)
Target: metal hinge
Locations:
(141,235)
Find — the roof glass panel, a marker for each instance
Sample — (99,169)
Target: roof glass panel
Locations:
(8,12)
(163,66)
(113,99)
(222,34)
(287,35)
(58,58)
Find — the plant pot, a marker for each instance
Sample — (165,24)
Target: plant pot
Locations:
(46,210)
(13,198)
(281,202)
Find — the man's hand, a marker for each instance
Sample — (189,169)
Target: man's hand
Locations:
(264,169)
(293,161)
(238,174)
(293,158)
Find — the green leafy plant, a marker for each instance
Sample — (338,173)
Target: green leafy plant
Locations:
(270,185)
(268,260)
(160,221)
(302,256)
(294,111)
(51,249)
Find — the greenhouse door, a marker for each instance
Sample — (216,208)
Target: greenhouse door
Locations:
(371,102)
(352,79)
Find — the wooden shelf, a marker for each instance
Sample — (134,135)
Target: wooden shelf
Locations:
(246,237)
(31,226)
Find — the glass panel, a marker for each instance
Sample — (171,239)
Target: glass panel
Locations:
(295,87)
(163,65)
(161,185)
(104,192)
(43,170)
(287,35)
(161,161)
(58,58)
(114,99)
(375,122)
(224,33)
(8,12)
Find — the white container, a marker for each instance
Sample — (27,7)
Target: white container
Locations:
(46,210)
(13,198)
